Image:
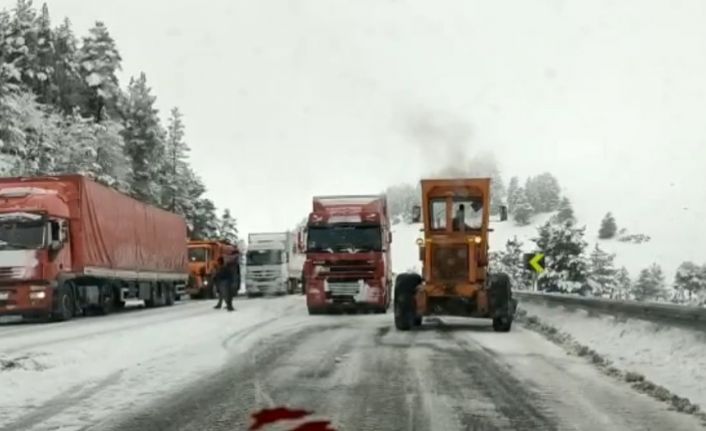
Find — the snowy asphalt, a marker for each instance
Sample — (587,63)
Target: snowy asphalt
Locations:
(194,368)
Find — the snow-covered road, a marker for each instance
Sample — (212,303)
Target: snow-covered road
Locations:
(193,368)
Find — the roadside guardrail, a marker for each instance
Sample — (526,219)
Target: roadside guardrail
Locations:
(653,311)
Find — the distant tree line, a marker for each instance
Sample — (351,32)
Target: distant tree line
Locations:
(62,110)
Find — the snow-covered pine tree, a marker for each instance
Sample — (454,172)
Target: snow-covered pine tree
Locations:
(603,273)
(20,42)
(608,227)
(624,284)
(205,222)
(228,227)
(566,268)
(566,212)
(71,89)
(99,60)
(510,261)
(174,164)
(144,141)
(45,59)
(690,280)
(512,189)
(522,211)
(650,284)
(547,192)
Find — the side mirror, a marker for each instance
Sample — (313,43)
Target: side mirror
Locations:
(416,214)
(389,237)
(503,213)
(55,245)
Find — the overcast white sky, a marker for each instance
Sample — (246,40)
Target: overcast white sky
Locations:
(285,99)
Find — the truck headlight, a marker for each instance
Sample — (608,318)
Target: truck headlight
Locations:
(37,295)
(205,282)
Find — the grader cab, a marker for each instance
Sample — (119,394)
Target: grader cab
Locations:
(455,279)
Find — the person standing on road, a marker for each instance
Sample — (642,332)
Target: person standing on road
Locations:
(224,282)
(235,270)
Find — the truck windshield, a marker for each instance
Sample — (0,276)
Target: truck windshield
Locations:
(199,254)
(21,235)
(264,257)
(344,238)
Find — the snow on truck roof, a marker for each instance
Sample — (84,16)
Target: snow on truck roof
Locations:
(347,200)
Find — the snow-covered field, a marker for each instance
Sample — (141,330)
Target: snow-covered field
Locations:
(81,370)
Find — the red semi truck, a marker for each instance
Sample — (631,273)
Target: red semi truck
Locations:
(69,245)
(348,254)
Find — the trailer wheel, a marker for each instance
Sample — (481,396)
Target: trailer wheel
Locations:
(108,300)
(170,295)
(404,302)
(64,307)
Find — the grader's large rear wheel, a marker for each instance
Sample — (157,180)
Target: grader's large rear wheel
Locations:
(404,301)
(502,303)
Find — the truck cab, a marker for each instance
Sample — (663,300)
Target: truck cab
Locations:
(348,254)
(203,258)
(267,264)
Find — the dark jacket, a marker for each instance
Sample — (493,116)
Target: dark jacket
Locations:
(224,273)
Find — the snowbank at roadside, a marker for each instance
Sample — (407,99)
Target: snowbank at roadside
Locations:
(670,356)
(91,367)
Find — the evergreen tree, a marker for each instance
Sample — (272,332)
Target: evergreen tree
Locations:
(512,190)
(70,87)
(603,273)
(547,191)
(566,212)
(510,261)
(205,223)
(144,141)
(175,164)
(650,284)
(522,211)
(690,280)
(566,268)
(41,83)
(99,60)
(20,45)
(228,228)
(608,227)
(624,284)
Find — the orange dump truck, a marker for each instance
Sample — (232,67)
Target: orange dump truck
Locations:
(203,263)
(69,245)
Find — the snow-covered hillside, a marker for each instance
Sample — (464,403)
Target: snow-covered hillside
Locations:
(665,249)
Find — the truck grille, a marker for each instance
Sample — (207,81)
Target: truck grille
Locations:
(343,289)
(348,271)
(11,272)
(450,262)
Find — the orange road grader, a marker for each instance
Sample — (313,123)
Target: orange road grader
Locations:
(455,280)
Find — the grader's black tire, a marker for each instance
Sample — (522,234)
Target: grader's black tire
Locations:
(502,324)
(418,321)
(404,302)
(502,303)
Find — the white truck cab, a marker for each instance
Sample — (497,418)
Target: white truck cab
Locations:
(266,264)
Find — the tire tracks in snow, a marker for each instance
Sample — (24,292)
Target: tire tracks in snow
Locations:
(224,399)
(65,400)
